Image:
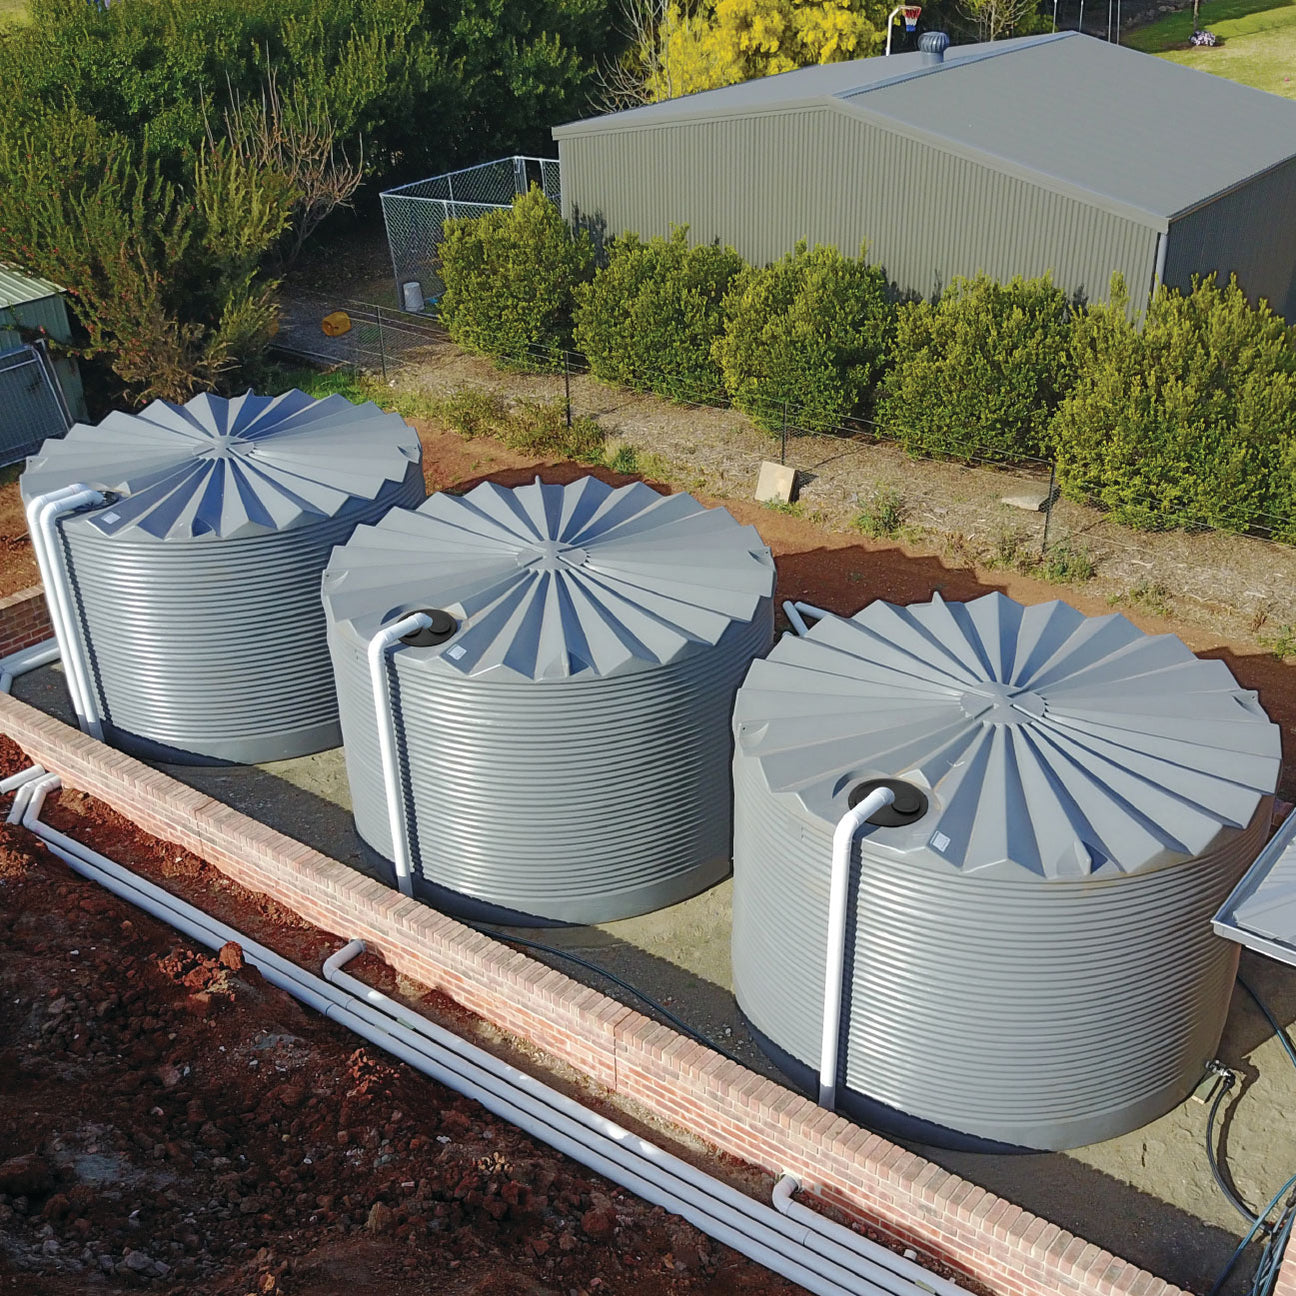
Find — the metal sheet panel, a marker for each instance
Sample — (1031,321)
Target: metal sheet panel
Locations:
(1031,962)
(30,409)
(1128,130)
(762,182)
(1246,232)
(198,584)
(1260,913)
(567,750)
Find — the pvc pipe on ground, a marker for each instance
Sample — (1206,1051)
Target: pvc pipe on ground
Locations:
(817,1260)
(27,659)
(794,618)
(15,781)
(379,645)
(43,514)
(848,826)
(785,1202)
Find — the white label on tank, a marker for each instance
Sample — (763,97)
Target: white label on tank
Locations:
(111,517)
(456,652)
(939,841)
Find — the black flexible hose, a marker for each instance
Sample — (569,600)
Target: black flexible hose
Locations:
(1238,1204)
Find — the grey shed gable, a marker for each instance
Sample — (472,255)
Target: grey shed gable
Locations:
(1073,156)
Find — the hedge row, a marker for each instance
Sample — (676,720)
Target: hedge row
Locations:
(1185,415)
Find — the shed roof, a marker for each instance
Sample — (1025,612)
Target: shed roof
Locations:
(1261,911)
(1120,126)
(17,289)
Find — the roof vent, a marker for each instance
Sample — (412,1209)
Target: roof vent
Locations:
(932,46)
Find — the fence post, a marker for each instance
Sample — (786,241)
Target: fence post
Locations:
(567,384)
(1048,506)
(783,452)
(382,347)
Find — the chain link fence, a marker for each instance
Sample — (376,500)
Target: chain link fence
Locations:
(32,405)
(415,213)
(978,507)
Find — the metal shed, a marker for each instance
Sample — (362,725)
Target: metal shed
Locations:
(194,570)
(1056,153)
(562,723)
(1029,958)
(32,306)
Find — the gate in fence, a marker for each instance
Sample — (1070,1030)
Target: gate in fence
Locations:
(415,213)
(32,406)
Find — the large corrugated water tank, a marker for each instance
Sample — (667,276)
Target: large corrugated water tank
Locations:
(565,736)
(1029,953)
(197,582)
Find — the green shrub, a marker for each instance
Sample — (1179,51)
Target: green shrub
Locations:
(807,333)
(980,371)
(883,514)
(509,281)
(1067,563)
(1184,420)
(530,427)
(650,317)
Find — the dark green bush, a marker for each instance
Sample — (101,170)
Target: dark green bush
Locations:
(1186,419)
(980,371)
(650,317)
(509,277)
(807,332)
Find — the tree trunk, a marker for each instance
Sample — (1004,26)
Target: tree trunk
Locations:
(1196,11)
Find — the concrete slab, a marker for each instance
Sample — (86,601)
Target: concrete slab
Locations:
(776,483)
(1147,1197)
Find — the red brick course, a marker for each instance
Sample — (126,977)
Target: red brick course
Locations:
(24,620)
(911,1200)
(916,1203)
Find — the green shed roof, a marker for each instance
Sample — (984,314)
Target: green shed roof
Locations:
(1128,131)
(17,289)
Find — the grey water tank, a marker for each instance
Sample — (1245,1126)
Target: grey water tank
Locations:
(1030,960)
(197,584)
(566,742)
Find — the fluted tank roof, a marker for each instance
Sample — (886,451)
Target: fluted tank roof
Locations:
(224,468)
(1053,744)
(551,582)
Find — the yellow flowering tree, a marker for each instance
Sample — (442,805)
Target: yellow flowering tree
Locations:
(680,46)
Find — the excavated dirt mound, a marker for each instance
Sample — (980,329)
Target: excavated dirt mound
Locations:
(170,1121)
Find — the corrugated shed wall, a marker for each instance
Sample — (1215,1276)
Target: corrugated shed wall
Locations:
(1250,232)
(48,313)
(761,182)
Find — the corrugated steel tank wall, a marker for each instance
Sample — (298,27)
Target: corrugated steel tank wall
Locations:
(546,787)
(763,181)
(207,646)
(987,999)
(1247,232)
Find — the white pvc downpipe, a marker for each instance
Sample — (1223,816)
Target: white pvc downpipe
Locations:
(379,645)
(827,1260)
(798,611)
(27,659)
(43,514)
(784,1201)
(848,826)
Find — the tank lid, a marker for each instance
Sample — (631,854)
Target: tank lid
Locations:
(1047,741)
(550,581)
(225,468)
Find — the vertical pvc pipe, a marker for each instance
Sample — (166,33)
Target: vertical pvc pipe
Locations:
(835,960)
(392,786)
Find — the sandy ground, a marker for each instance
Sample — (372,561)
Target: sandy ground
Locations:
(1148,1196)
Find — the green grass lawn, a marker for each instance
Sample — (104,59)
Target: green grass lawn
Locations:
(12,11)
(1259,42)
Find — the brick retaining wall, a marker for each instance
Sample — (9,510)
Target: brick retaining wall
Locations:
(739,1112)
(24,620)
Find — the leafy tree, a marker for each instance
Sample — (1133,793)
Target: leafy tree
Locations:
(1183,417)
(684,47)
(163,278)
(807,333)
(650,318)
(979,371)
(510,277)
